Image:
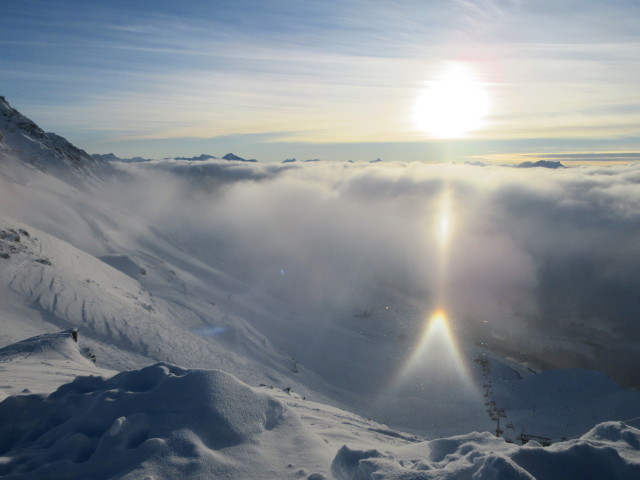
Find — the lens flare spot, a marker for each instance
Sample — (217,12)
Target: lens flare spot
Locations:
(211,331)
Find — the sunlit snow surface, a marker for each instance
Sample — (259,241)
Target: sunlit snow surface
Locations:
(317,282)
(160,422)
(167,422)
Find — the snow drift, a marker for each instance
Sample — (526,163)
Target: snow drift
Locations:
(49,346)
(160,422)
(609,451)
(165,422)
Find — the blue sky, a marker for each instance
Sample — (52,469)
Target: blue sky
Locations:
(326,79)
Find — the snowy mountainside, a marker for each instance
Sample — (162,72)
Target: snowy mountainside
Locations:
(110,300)
(22,138)
(555,404)
(45,346)
(64,287)
(126,285)
(144,286)
(563,403)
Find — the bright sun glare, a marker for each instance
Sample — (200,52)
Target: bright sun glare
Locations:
(455,103)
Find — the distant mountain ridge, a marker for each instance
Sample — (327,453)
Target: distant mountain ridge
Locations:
(111,157)
(199,158)
(20,137)
(541,164)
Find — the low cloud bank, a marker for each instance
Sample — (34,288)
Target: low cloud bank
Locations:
(538,262)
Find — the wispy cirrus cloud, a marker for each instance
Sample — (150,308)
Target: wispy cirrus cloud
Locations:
(327,72)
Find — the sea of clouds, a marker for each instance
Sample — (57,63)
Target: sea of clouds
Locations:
(540,263)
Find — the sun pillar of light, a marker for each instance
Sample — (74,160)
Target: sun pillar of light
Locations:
(435,370)
(436,353)
(444,224)
(443,229)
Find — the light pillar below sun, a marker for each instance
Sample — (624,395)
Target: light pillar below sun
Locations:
(437,353)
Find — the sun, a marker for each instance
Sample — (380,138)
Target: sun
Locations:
(455,103)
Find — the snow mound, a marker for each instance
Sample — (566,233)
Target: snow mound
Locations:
(158,422)
(42,363)
(49,346)
(609,451)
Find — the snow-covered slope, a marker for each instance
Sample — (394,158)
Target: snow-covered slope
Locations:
(86,250)
(42,363)
(55,285)
(164,422)
(21,138)
(158,422)
(86,261)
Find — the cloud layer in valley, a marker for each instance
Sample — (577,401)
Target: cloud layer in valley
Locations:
(539,263)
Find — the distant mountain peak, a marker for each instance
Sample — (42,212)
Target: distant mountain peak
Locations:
(541,164)
(475,163)
(236,158)
(199,158)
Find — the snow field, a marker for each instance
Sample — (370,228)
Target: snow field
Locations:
(162,262)
(163,422)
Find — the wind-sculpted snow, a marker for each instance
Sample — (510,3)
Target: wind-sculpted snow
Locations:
(42,363)
(611,451)
(160,422)
(165,422)
(46,346)
(66,287)
(71,288)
